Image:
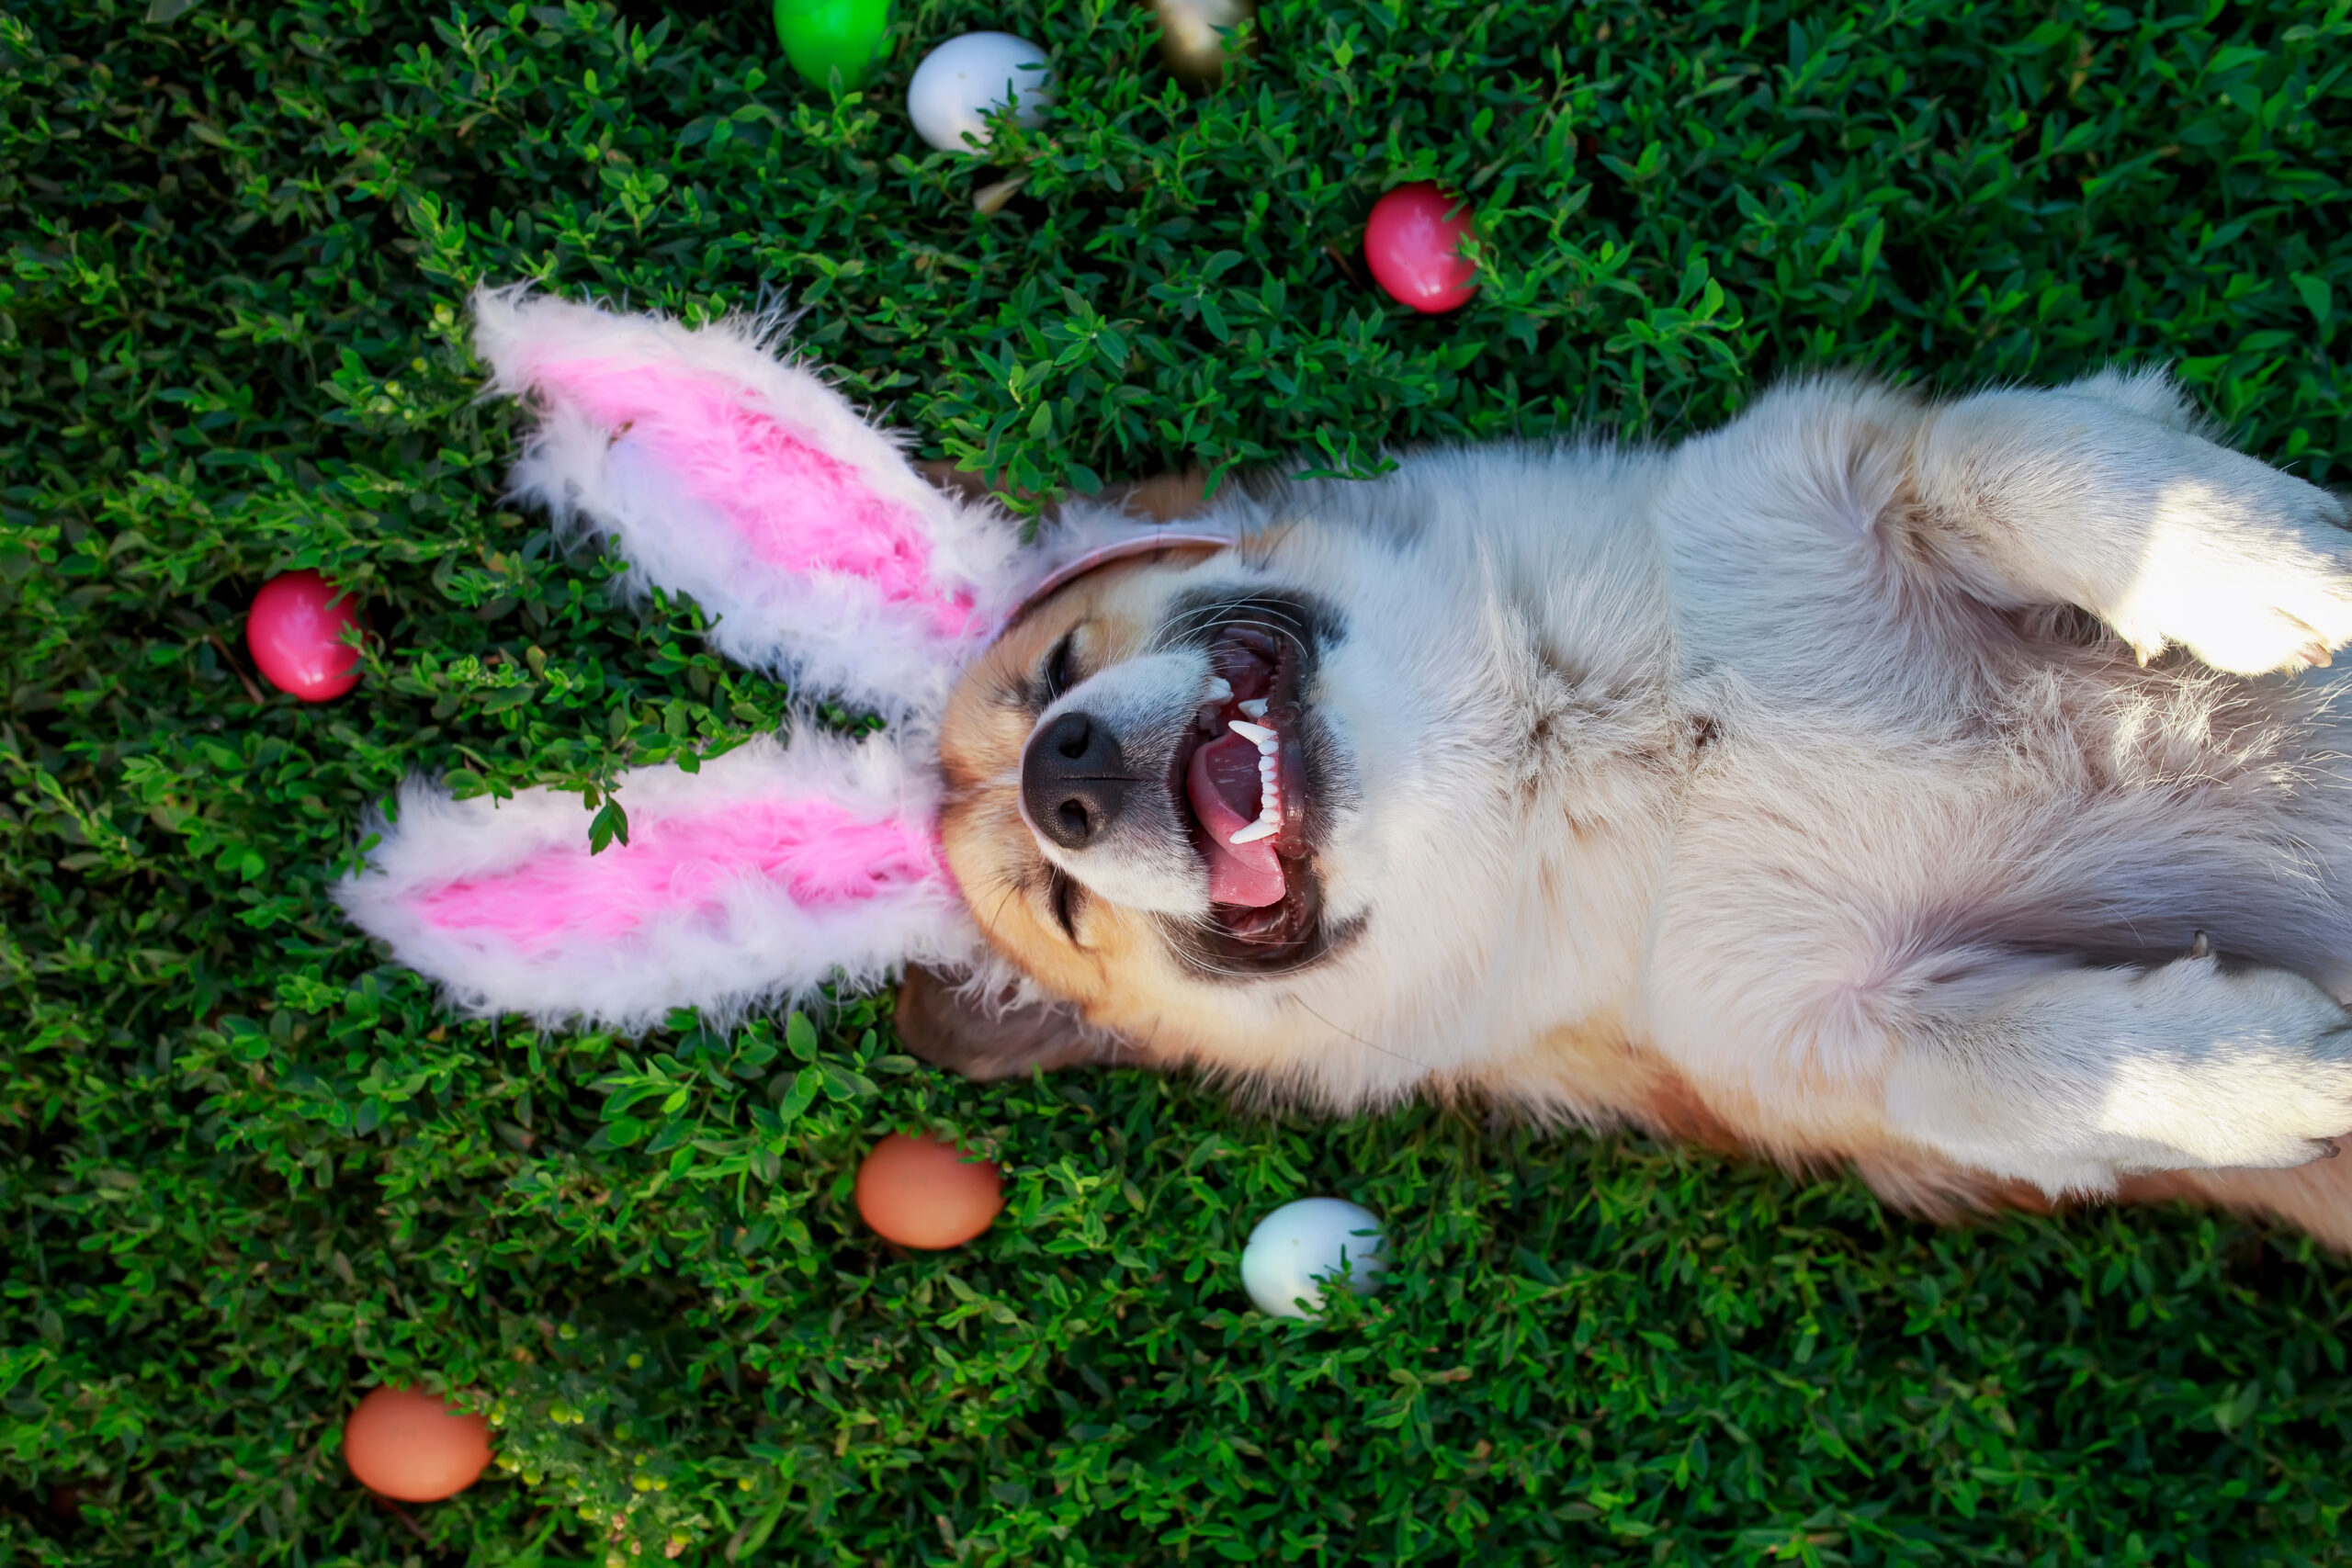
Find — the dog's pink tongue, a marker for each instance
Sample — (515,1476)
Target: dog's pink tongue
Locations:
(1222,785)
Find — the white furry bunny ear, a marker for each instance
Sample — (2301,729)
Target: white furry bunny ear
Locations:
(722,472)
(771,871)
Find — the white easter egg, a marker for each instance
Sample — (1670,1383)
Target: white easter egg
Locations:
(960,84)
(1296,1246)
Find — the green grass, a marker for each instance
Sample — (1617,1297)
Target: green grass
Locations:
(245,1170)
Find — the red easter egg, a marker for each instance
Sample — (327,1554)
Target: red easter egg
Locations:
(406,1444)
(922,1193)
(1414,249)
(296,632)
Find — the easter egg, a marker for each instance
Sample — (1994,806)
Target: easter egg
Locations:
(965,80)
(296,633)
(1413,244)
(820,37)
(923,1193)
(1192,34)
(1294,1248)
(407,1444)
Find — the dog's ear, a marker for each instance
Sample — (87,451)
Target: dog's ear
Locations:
(986,1039)
(753,880)
(722,472)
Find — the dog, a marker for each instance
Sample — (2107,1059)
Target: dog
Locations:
(1937,787)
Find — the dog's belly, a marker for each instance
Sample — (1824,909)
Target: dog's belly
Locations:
(2106,815)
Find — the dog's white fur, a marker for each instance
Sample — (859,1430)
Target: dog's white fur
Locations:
(1773,755)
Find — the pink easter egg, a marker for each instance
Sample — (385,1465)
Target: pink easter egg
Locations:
(1414,249)
(296,632)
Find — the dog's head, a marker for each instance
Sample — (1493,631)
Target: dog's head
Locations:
(1230,807)
(1139,783)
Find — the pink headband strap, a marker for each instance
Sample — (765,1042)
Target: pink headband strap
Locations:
(1142,545)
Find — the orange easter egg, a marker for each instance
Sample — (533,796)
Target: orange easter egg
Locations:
(407,1444)
(923,1193)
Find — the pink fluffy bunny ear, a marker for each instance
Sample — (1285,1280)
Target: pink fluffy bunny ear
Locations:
(722,472)
(771,871)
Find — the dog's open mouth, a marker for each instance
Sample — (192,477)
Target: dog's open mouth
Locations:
(1244,775)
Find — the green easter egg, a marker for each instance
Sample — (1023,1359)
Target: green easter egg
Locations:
(822,37)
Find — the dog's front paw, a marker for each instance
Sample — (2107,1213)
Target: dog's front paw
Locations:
(2248,568)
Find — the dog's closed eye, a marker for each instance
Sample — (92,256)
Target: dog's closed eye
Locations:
(1059,674)
(1064,897)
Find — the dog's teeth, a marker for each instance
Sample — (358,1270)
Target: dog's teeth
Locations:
(1221,692)
(1256,735)
(1260,828)
(1254,708)
(1267,766)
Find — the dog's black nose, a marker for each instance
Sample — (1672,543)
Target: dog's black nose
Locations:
(1073,781)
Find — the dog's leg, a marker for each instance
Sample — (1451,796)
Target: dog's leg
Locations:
(2104,495)
(2072,1079)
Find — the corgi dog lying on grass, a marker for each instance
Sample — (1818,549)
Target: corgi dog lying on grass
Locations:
(1936,787)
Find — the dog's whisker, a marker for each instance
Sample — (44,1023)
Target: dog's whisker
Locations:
(1249,611)
(1359,1039)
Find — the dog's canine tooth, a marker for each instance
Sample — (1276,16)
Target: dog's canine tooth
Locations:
(2199,947)
(1254,708)
(1260,828)
(1221,692)
(1256,735)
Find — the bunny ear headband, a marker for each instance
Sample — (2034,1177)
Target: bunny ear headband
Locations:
(719,471)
